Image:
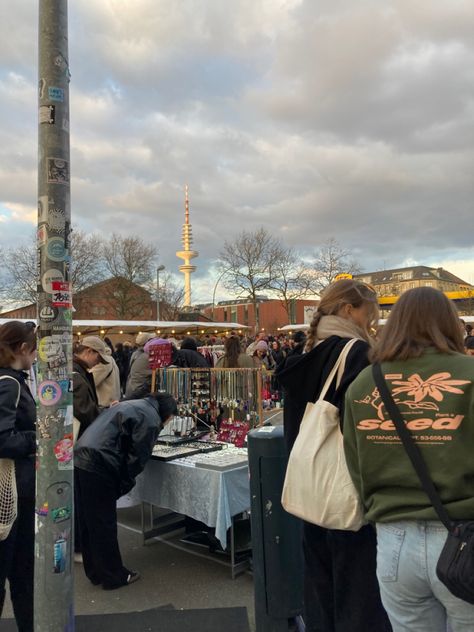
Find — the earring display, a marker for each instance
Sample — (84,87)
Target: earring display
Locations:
(225,400)
(172,452)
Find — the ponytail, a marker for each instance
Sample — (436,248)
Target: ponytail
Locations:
(6,355)
(313,328)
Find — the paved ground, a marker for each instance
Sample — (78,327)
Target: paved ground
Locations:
(172,573)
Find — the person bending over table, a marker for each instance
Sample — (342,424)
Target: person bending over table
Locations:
(107,458)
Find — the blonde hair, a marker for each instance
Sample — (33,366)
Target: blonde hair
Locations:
(333,299)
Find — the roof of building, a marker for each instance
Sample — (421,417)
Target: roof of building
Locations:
(85,292)
(418,273)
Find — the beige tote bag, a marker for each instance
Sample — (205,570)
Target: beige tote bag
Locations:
(318,487)
(8,491)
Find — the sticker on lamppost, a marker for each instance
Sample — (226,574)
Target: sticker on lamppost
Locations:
(49,393)
(51,276)
(58,169)
(56,94)
(62,295)
(47,114)
(55,248)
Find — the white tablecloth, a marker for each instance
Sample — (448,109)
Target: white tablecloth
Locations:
(210,496)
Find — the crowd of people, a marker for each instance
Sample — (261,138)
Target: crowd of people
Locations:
(378,578)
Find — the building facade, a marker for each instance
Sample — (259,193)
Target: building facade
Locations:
(112,299)
(395,282)
(272,313)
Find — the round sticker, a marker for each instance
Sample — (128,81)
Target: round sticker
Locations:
(48,277)
(48,348)
(55,248)
(49,393)
(63,449)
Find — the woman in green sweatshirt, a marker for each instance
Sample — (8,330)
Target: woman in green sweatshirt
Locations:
(432,382)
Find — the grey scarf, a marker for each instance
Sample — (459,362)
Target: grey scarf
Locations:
(338,326)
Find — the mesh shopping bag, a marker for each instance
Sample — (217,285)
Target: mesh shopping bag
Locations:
(8,491)
(8,497)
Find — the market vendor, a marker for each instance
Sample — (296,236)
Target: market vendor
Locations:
(107,458)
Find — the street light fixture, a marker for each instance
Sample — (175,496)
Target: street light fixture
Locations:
(215,288)
(158,270)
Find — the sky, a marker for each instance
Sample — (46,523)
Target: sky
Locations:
(316,119)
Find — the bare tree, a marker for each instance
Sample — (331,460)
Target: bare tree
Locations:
(249,262)
(87,265)
(330,260)
(293,279)
(129,261)
(20,266)
(171,298)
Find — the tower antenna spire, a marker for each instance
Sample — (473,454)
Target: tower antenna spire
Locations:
(187,253)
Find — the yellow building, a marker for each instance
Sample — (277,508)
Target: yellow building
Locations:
(389,284)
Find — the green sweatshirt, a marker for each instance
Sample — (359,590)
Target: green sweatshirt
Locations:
(435,394)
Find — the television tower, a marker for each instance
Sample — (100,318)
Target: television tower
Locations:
(187,254)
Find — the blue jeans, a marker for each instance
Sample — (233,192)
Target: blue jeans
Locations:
(413,596)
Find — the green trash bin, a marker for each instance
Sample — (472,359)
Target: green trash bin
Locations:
(276,535)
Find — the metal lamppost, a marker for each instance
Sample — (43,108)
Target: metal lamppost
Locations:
(158,270)
(215,288)
(54,539)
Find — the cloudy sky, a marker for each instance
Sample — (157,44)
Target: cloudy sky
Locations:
(350,119)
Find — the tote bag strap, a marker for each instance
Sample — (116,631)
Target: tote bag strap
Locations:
(338,368)
(9,377)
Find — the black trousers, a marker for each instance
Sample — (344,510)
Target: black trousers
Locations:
(340,584)
(96,498)
(17,565)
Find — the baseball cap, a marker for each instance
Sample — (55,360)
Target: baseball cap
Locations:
(142,338)
(97,344)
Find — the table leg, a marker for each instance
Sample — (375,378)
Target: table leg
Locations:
(159,526)
(236,567)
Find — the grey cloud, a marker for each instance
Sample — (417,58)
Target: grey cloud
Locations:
(320,119)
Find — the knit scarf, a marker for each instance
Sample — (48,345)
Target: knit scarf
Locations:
(338,326)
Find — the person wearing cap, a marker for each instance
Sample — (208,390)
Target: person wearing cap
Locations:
(139,372)
(107,381)
(88,353)
(253,345)
(262,359)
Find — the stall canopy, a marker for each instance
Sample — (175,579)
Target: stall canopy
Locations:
(159,326)
(291,328)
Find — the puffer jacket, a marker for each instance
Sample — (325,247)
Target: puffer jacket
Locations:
(120,442)
(18,429)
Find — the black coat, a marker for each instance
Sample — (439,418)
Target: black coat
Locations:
(188,358)
(18,429)
(303,377)
(86,403)
(120,442)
